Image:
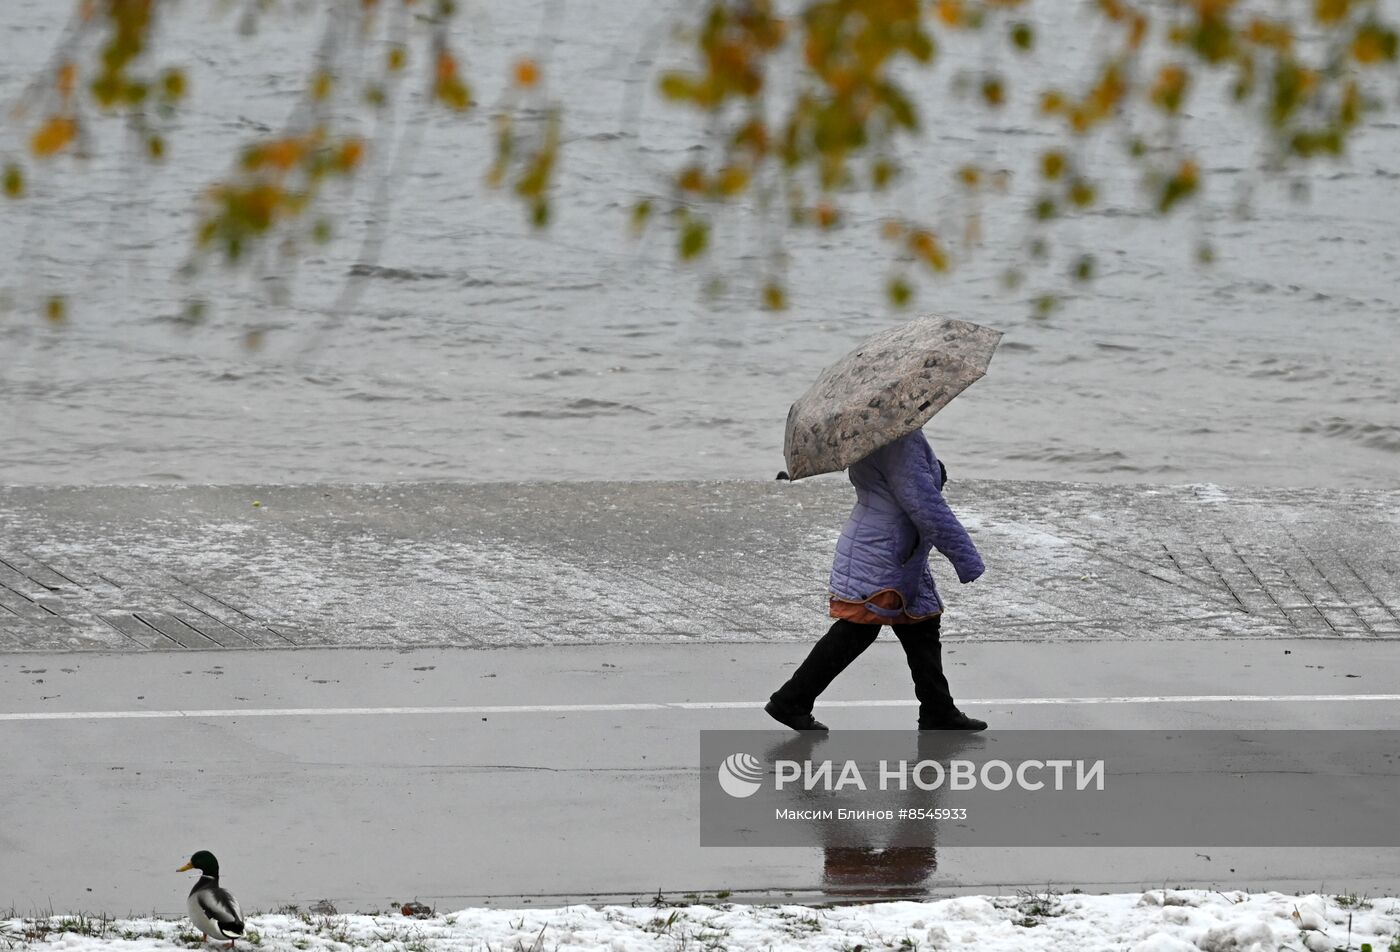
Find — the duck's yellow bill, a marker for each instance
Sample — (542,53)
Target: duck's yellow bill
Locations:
(185,867)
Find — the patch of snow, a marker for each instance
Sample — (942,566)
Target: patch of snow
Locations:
(1158,921)
(1209,492)
(1164,942)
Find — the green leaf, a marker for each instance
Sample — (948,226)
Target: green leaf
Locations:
(901,109)
(13,180)
(676,86)
(641,214)
(899,292)
(695,237)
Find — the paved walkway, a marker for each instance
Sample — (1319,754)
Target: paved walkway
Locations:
(137,569)
(549,776)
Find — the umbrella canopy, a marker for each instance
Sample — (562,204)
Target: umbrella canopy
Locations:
(888,386)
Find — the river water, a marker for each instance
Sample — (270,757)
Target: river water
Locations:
(484,351)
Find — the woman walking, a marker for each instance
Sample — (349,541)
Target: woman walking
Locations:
(881,577)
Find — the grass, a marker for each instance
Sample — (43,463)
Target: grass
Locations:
(1035,907)
(798,926)
(1352,901)
(687,934)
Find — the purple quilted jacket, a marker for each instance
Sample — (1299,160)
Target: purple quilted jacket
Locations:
(900,515)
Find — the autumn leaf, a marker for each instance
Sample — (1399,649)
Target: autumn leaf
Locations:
(926,248)
(526,73)
(67,80)
(53,136)
(56,309)
(1373,44)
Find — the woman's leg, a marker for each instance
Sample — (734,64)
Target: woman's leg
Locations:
(924,652)
(841,645)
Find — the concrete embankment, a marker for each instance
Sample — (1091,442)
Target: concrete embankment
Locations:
(134,568)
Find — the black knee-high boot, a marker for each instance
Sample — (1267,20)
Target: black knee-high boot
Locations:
(831,655)
(924,652)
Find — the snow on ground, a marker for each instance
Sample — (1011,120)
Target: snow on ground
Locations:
(1155,921)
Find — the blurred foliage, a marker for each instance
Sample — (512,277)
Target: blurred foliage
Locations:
(106,65)
(807,142)
(804,106)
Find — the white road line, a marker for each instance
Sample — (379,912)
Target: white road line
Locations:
(669,706)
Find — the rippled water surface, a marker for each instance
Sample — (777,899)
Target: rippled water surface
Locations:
(482,351)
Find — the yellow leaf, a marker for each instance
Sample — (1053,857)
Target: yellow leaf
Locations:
(1330,11)
(527,73)
(53,136)
(926,247)
(56,309)
(774,297)
(172,84)
(67,79)
(1137,32)
(676,86)
(1051,102)
(446,67)
(993,91)
(351,151)
(1267,33)
(732,180)
(1373,44)
(691,179)
(1170,88)
(282,154)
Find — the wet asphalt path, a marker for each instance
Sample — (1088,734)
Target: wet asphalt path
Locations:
(568,773)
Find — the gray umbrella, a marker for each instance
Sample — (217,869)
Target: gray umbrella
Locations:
(888,386)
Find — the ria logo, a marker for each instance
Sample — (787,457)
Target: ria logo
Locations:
(741,775)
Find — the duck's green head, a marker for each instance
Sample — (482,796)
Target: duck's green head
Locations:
(203,861)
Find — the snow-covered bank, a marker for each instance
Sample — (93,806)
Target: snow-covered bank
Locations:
(1156,921)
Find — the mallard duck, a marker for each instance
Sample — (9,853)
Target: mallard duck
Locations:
(213,910)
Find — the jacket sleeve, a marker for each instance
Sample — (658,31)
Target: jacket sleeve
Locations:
(915,488)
